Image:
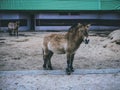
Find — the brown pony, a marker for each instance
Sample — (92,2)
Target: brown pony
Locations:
(64,44)
(13,28)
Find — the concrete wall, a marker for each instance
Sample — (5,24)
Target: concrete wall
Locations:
(61,21)
(99,21)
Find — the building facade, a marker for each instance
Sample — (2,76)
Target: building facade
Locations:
(59,15)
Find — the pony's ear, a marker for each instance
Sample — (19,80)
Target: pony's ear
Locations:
(88,25)
(79,24)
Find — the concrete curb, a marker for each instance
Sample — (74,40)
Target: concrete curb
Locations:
(61,72)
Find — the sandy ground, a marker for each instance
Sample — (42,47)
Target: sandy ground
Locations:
(58,82)
(25,53)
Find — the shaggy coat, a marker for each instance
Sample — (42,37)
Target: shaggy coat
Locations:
(66,43)
(13,28)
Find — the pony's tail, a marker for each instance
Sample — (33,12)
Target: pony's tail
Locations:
(42,51)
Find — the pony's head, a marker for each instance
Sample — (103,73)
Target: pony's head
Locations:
(78,30)
(83,28)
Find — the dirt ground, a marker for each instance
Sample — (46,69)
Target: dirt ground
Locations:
(25,53)
(58,82)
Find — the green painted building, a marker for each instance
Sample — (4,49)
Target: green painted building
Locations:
(60,14)
(59,4)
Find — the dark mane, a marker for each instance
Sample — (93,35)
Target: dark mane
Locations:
(73,27)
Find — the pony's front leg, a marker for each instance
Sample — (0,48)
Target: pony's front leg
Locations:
(68,69)
(10,32)
(71,63)
(17,33)
(14,31)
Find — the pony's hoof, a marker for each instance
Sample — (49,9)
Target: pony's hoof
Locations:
(50,68)
(68,71)
(72,70)
(44,68)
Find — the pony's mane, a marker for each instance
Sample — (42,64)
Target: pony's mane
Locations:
(72,30)
(73,26)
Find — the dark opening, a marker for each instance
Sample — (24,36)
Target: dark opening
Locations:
(32,26)
(4,23)
(69,22)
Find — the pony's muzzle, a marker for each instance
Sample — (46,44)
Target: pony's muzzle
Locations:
(86,41)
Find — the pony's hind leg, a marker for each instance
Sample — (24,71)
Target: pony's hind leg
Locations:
(49,60)
(45,59)
(45,62)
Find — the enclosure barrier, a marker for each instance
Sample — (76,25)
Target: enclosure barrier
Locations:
(61,72)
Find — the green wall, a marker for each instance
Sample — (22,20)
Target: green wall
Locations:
(110,4)
(59,4)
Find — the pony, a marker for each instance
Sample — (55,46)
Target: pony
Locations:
(13,28)
(66,43)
